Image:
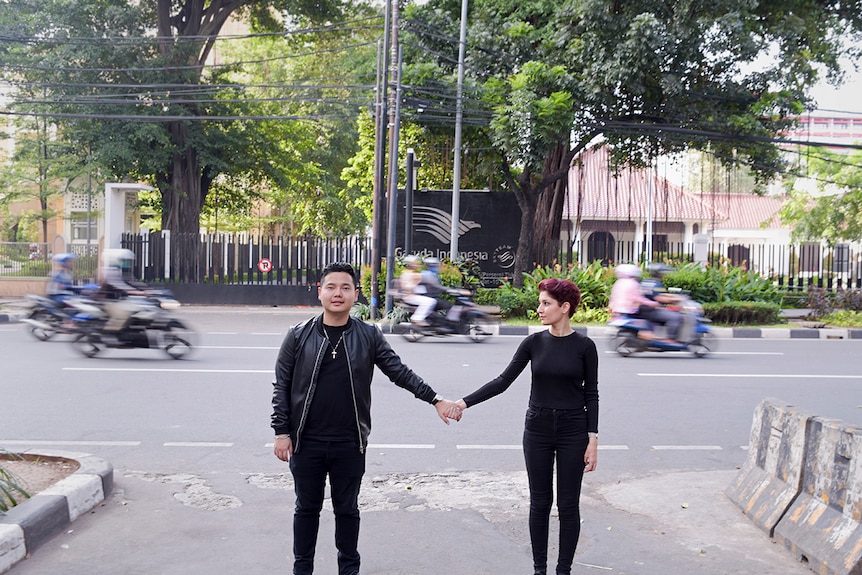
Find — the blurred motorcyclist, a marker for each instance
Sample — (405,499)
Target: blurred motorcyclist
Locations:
(414,292)
(114,289)
(435,289)
(654,289)
(62,283)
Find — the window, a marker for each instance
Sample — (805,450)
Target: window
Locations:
(80,227)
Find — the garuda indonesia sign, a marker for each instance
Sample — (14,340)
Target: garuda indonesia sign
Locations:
(487,228)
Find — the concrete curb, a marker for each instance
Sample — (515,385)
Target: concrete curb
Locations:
(26,526)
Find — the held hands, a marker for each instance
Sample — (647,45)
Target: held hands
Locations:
(448,409)
(453,410)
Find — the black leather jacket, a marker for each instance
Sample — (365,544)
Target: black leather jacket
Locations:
(298,365)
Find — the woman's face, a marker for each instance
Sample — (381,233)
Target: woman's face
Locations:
(550,311)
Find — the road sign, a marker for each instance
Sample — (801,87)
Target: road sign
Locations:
(264,265)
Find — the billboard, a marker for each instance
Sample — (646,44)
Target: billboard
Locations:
(488,227)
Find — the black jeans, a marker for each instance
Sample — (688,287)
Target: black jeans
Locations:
(345,465)
(555,435)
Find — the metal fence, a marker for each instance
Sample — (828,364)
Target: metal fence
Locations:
(795,266)
(232,260)
(228,259)
(23,259)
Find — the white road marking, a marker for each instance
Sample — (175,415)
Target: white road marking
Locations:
(687,447)
(401,446)
(166,370)
(266,347)
(51,442)
(513,447)
(612,352)
(196,444)
(754,375)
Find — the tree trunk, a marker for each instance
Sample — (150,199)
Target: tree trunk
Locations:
(551,197)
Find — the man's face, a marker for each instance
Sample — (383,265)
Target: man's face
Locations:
(337,293)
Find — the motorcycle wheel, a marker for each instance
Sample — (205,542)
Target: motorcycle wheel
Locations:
(177,340)
(703,345)
(479,328)
(625,346)
(412,333)
(40,333)
(87,344)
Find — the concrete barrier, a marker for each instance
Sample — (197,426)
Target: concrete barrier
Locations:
(771,477)
(822,526)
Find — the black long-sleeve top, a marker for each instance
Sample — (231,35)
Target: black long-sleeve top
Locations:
(564,374)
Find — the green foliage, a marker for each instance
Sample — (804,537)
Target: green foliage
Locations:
(450,276)
(486,296)
(594,281)
(743,312)
(830,216)
(11,490)
(591,315)
(722,284)
(844,318)
(824,302)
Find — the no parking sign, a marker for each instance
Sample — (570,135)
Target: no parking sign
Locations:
(264,265)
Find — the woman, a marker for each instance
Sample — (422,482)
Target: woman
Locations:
(562,419)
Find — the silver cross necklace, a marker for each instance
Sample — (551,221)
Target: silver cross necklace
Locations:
(334,347)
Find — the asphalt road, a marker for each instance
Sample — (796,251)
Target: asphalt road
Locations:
(191,444)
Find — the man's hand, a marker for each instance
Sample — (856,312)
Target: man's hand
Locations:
(283,448)
(447,410)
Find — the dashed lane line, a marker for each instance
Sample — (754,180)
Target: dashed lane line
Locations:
(754,375)
(165,370)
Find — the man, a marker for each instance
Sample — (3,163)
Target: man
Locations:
(656,313)
(322,413)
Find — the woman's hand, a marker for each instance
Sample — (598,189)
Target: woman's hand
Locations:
(591,456)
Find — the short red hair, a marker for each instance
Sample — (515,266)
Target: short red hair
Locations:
(563,291)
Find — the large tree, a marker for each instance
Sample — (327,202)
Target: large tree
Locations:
(648,77)
(834,213)
(131,81)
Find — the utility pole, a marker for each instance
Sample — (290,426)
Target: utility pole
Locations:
(394,129)
(459,116)
(379,162)
(379,114)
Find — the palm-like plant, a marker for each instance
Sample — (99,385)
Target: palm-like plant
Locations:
(11,491)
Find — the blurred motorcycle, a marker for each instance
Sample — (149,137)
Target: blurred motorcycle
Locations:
(465,318)
(694,335)
(151,326)
(48,317)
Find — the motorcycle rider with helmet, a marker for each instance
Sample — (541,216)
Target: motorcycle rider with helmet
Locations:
(626,295)
(61,286)
(414,292)
(654,289)
(114,289)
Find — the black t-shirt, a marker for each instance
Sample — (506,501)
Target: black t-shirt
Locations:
(332,414)
(565,374)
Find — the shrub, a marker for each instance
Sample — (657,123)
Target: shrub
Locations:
(594,281)
(720,284)
(449,273)
(824,302)
(743,312)
(844,318)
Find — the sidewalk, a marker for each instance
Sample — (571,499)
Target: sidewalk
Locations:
(458,523)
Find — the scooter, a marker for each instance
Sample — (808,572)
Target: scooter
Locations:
(151,326)
(694,336)
(48,317)
(465,318)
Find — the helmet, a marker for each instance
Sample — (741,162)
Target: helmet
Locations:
(64,260)
(628,271)
(432,262)
(411,261)
(121,259)
(658,270)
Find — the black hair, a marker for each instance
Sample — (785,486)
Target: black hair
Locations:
(335,267)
